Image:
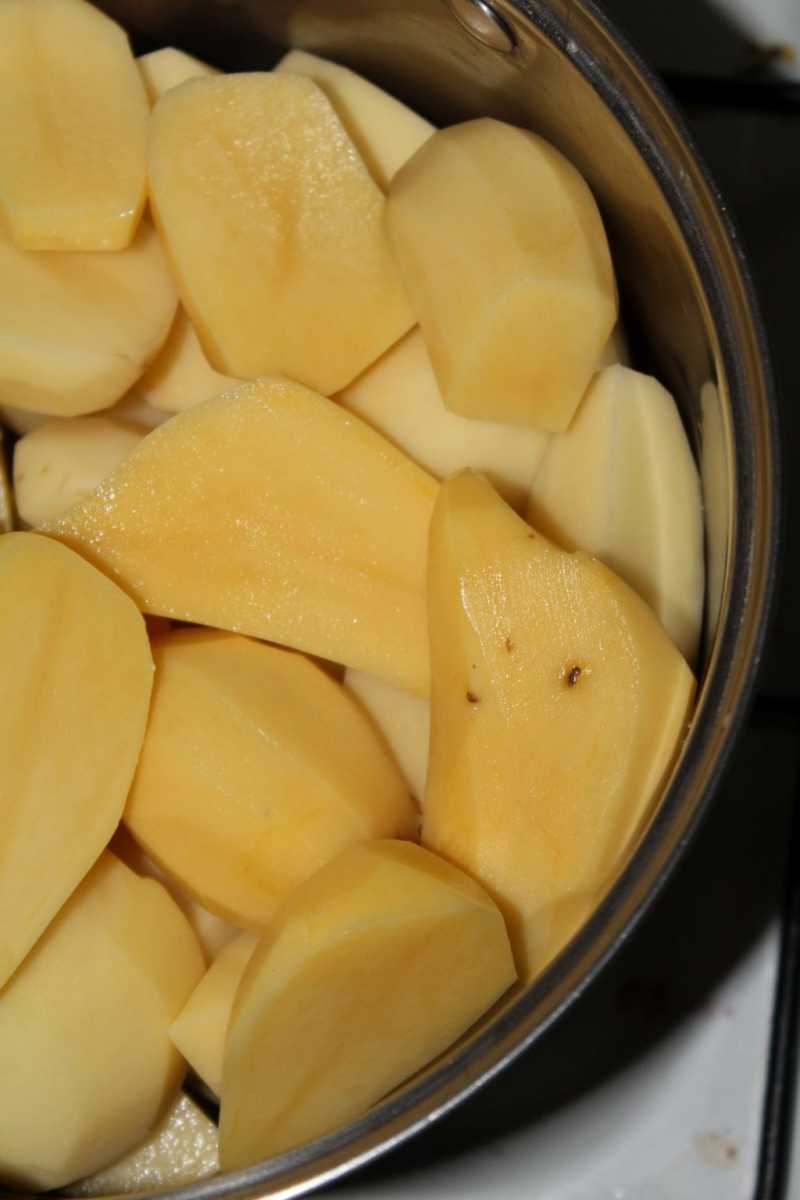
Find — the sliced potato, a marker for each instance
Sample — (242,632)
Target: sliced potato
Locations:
(372,968)
(88,1065)
(181,376)
(166,68)
(73,115)
(273,512)
(275,230)
(77,674)
(384,131)
(404,720)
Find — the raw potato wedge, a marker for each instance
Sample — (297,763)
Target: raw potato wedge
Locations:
(505,260)
(77,674)
(383,130)
(404,720)
(622,484)
(64,460)
(87,1063)
(79,329)
(19,420)
(256,769)
(134,410)
(182,1148)
(275,230)
(73,127)
(400,398)
(271,511)
(164,69)
(616,349)
(181,375)
(370,970)
(557,706)
(201,1028)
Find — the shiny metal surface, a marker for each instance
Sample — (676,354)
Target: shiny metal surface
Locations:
(484,23)
(689,307)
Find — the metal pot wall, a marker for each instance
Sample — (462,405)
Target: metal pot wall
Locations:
(562,70)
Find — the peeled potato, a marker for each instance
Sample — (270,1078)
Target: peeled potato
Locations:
(622,484)
(557,707)
(372,968)
(200,1030)
(79,329)
(181,376)
(398,395)
(256,769)
(505,260)
(166,68)
(73,115)
(77,674)
(275,230)
(64,460)
(384,131)
(271,511)
(403,719)
(88,1065)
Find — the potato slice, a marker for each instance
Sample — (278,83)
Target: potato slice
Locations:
(200,1030)
(133,409)
(505,260)
(273,512)
(398,395)
(87,1061)
(77,674)
(256,769)
(621,483)
(73,116)
(384,131)
(62,461)
(212,932)
(557,705)
(616,349)
(79,329)
(183,1147)
(403,719)
(181,375)
(164,69)
(275,229)
(370,970)
(19,420)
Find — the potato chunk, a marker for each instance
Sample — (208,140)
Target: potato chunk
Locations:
(507,267)
(256,769)
(77,674)
(398,395)
(271,511)
(621,483)
(275,230)
(557,705)
(73,127)
(164,69)
(62,461)
(371,969)
(181,376)
(384,131)
(403,719)
(88,1065)
(200,1030)
(79,329)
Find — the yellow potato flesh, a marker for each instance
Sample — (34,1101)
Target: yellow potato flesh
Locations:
(270,511)
(182,1148)
(557,705)
(73,127)
(64,460)
(88,1066)
(275,230)
(181,376)
(164,69)
(77,674)
(403,719)
(256,769)
(79,329)
(505,260)
(622,484)
(200,1030)
(400,398)
(384,131)
(370,970)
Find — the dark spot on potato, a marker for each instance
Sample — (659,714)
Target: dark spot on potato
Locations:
(509,645)
(473,699)
(572,676)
